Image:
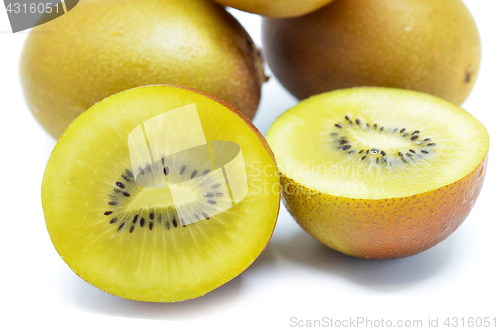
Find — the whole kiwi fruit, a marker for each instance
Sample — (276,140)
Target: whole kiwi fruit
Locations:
(276,8)
(423,45)
(103,47)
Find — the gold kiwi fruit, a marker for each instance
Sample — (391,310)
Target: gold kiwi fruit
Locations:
(276,8)
(100,48)
(379,173)
(149,195)
(428,46)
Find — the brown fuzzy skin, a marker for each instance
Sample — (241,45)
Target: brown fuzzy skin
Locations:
(423,45)
(76,60)
(276,8)
(385,228)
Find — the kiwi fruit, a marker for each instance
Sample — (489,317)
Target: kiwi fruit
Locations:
(103,47)
(159,194)
(379,173)
(428,46)
(276,8)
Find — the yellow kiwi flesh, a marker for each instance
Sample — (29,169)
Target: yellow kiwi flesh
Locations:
(428,46)
(379,173)
(125,236)
(100,48)
(276,8)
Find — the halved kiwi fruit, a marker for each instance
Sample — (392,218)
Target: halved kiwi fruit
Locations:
(379,173)
(149,195)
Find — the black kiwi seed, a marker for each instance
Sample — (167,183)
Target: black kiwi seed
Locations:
(382,153)
(183,169)
(108,213)
(414,133)
(384,159)
(113,220)
(194,174)
(409,155)
(131,229)
(206,172)
(364,157)
(343,142)
(142,222)
(347,117)
(166,171)
(394,131)
(375,126)
(167,226)
(346,147)
(205,215)
(405,135)
(358,121)
(367,151)
(135,219)
(402,130)
(378,159)
(427,139)
(361,151)
(174,222)
(338,125)
(208,195)
(352,151)
(424,151)
(182,223)
(120,185)
(374,151)
(414,138)
(212,202)
(400,154)
(150,225)
(125,178)
(431,144)
(382,129)
(411,150)
(129,173)
(151,215)
(219,194)
(112,203)
(121,226)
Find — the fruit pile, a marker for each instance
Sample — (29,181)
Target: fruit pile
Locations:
(161,189)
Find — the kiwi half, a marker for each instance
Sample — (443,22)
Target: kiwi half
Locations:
(379,173)
(149,195)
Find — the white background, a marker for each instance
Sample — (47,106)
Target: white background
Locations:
(294,277)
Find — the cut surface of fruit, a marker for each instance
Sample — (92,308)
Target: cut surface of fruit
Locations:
(379,173)
(374,143)
(159,194)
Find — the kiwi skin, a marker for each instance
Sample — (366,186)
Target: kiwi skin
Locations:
(428,46)
(383,228)
(103,47)
(276,8)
